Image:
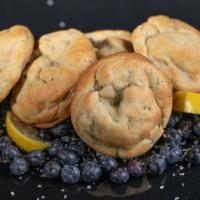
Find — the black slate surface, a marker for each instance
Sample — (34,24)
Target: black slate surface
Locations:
(88,15)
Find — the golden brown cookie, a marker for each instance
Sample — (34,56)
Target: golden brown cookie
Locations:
(109,42)
(174,47)
(43,95)
(121,105)
(16,46)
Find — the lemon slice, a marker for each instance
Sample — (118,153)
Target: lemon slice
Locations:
(23,135)
(188,102)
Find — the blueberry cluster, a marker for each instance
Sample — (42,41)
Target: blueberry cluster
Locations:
(69,158)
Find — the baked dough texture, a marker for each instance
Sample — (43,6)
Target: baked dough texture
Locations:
(174,47)
(121,105)
(108,42)
(43,95)
(16,46)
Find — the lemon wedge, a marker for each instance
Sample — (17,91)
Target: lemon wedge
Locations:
(23,135)
(188,102)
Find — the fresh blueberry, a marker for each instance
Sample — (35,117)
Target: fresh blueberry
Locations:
(196,118)
(119,175)
(194,155)
(65,139)
(157,164)
(75,144)
(43,133)
(55,146)
(66,156)
(90,171)
(70,174)
(108,163)
(174,119)
(74,138)
(92,155)
(59,130)
(173,135)
(4,141)
(36,158)
(172,152)
(135,168)
(10,152)
(186,128)
(19,166)
(52,169)
(78,146)
(196,128)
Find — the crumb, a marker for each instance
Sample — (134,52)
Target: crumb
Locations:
(173,174)
(39,186)
(182,184)
(43,197)
(62,24)
(62,190)
(50,2)
(89,187)
(162,187)
(65,196)
(181,167)
(12,194)
(181,174)
(176,198)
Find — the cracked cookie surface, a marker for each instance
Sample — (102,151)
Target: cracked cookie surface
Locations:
(121,105)
(16,46)
(109,42)
(43,95)
(173,46)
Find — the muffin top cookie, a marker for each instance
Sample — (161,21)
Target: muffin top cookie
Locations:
(174,47)
(121,105)
(16,46)
(43,95)
(108,42)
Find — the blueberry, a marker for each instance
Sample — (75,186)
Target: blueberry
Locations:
(194,154)
(196,118)
(66,156)
(157,164)
(92,155)
(19,166)
(65,139)
(135,168)
(108,163)
(44,134)
(10,152)
(196,128)
(36,158)
(59,130)
(172,152)
(55,146)
(90,171)
(4,140)
(74,138)
(74,143)
(174,119)
(52,169)
(173,135)
(119,175)
(186,128)
(70,174)
(79,147)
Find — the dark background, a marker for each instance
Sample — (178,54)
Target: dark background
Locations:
(89,15)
